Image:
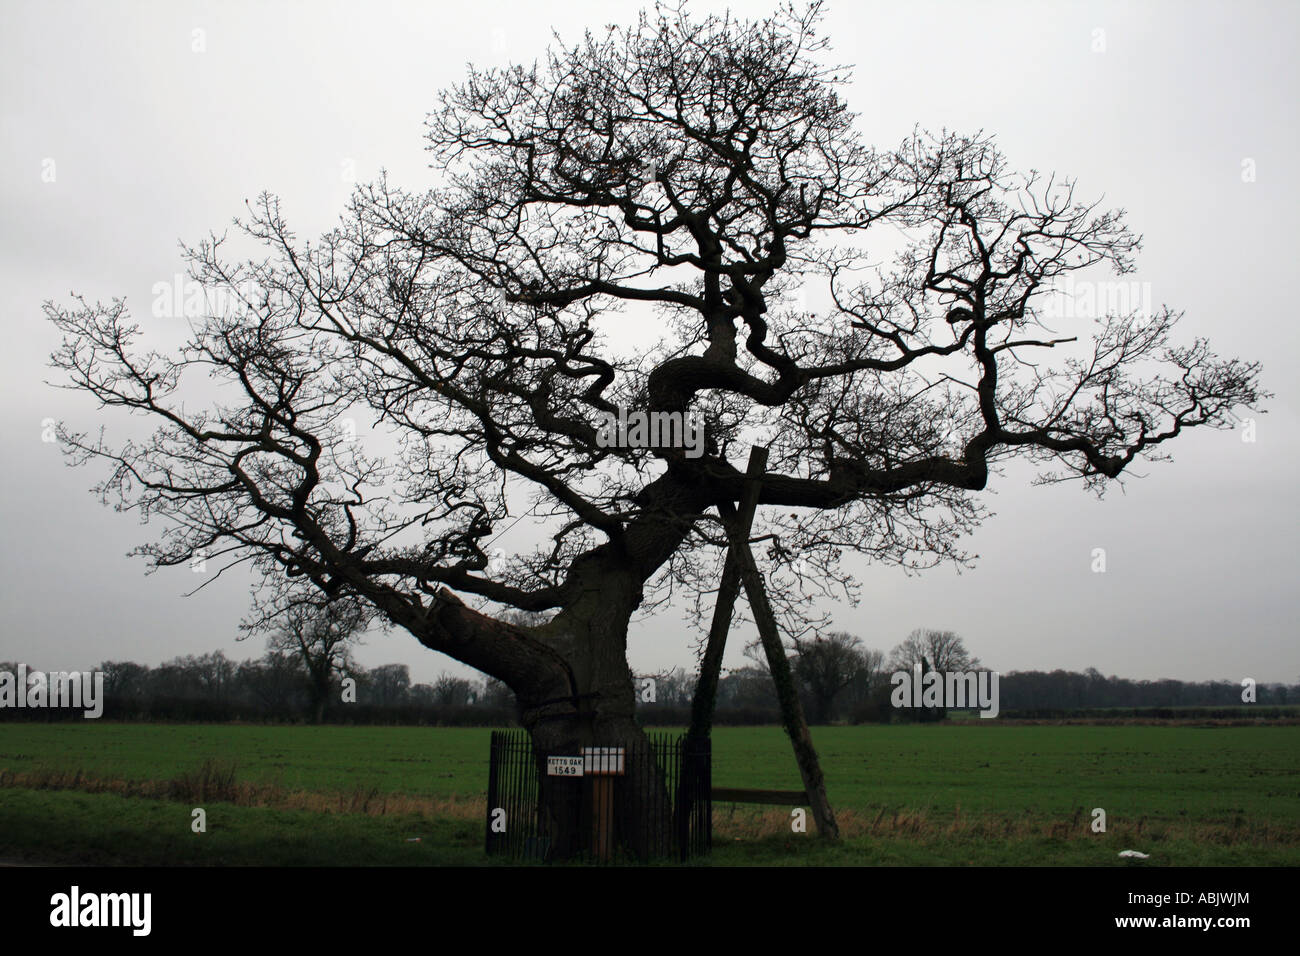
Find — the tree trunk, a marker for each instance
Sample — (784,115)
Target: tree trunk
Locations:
(320,692)
(599,710)
(570,676)
(639,819)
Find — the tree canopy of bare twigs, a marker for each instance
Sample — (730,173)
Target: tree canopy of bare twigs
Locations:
(697,177)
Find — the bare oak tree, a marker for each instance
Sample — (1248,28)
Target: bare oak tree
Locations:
(942,651)
(321,634)
(872,316)
(926,649)
(826,665)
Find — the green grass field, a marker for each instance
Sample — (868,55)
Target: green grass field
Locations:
(959,794)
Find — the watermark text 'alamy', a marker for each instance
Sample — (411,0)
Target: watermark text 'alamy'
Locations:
(80,691)
(955,690)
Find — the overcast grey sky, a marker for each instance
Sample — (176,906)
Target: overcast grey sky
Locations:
(125,130)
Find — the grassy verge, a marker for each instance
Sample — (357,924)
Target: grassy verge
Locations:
(105,828)
(69,826)
(934,795)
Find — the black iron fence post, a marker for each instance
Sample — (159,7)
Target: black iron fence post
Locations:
(494,771)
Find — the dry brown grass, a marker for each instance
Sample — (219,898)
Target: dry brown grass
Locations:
(215,782)
(733,822)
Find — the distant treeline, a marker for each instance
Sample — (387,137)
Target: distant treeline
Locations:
(1068,691)
(746,696)
(277,687)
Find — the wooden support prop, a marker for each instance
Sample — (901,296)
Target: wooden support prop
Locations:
(706,690)
(792,717)
(740,566)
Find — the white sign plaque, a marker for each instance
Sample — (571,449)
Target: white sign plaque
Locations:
(603,760)
(564,766)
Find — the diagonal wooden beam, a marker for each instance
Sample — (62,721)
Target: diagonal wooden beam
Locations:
(706,689)
(738,525)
